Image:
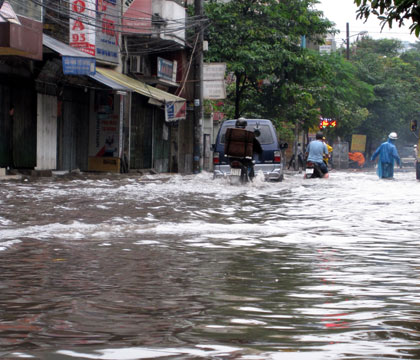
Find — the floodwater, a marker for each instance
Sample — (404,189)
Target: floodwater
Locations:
(186,267)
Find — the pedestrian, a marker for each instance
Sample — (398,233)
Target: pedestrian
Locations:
(316,151)
(299,158)
(388,154)
(327,157)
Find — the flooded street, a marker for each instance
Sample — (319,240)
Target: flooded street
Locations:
(186,267)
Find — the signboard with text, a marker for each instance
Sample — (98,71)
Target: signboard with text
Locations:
(82,25)
(78,65)
(107,31)
(214,86)
(175,111)
(166,69)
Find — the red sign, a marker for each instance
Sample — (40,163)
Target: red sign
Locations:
(137,16)
(82,30)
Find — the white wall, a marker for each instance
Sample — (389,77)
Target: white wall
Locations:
(174,14)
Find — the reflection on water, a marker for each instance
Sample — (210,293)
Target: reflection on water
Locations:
(186,267)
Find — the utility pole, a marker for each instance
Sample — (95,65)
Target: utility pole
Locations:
(198,91)
(347,41)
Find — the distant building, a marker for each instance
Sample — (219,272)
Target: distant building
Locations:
(328,46)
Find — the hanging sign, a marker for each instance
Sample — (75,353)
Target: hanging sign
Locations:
(214,86)
(79,65)
(175,111)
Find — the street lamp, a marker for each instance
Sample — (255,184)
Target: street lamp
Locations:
(347,41)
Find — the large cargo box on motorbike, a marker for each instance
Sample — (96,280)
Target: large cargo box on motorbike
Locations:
(238,142)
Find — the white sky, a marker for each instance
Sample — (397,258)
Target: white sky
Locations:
(344,11)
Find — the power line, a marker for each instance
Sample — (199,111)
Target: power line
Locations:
(89,19)
(60,15)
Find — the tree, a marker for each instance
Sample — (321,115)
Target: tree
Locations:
(396,87)
(257,40)
(345,97)
(390,11)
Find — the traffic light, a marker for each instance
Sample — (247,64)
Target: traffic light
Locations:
(413,125)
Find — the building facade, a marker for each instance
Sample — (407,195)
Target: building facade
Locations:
(96,85)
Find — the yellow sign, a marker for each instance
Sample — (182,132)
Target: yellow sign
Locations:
(358,143)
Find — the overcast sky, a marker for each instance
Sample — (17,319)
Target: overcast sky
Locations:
(343,11)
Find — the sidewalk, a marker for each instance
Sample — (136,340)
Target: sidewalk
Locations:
(5,176)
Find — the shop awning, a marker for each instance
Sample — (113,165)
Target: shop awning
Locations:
(75,62)
(110,83)
(175,106)
(73,55)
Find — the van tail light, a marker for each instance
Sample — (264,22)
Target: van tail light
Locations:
(216,159)
(277,156)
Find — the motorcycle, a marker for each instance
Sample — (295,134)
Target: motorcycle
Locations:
(241,170)
(312,171)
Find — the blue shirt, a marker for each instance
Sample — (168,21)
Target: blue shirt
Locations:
(316,150)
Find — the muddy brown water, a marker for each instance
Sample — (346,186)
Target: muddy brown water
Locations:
(187,267)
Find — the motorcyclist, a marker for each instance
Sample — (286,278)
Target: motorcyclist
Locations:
(388,153)
(241,123)
(315,152)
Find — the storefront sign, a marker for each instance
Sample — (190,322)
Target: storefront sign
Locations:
(166,69)
(82,25)
(79,66)
(107,31)
(175,111)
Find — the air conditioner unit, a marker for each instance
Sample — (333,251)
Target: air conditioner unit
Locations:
(138,65)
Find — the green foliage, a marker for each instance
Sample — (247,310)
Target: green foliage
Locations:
(377,92)
(396,87)
(390,12)
(344,96)
(259,41)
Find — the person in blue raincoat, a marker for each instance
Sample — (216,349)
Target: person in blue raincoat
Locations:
(387,155)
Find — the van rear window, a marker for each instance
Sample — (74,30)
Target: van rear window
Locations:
(265,138)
